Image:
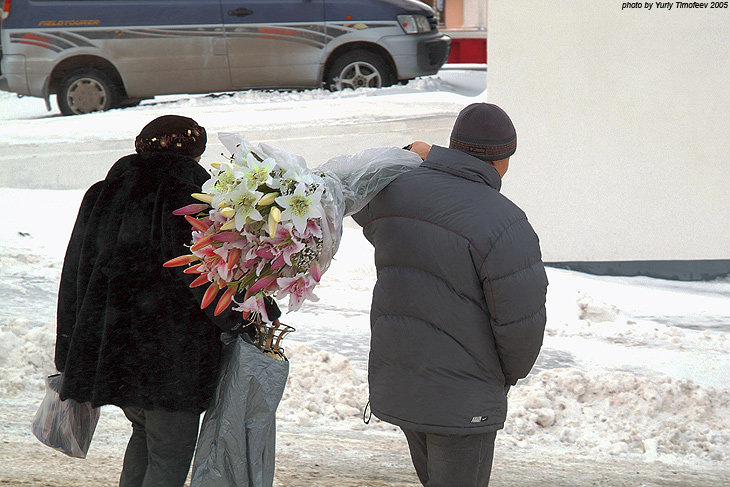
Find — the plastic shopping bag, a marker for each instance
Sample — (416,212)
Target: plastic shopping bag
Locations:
(237,441)
(67,426)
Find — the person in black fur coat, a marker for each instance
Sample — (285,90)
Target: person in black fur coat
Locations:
(131,332)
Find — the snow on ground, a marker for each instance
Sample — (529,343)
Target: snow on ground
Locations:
(632,368)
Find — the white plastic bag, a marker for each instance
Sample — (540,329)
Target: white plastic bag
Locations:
(67,426)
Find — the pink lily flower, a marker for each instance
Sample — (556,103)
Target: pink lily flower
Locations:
(313,229)
(298,288)
(254,304)
(286,242)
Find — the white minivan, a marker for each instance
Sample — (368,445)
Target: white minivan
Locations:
(101,54)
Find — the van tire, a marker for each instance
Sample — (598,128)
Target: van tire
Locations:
(359,69)
(87,90)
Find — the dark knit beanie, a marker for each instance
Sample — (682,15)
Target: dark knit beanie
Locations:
(172,133)
(484,131)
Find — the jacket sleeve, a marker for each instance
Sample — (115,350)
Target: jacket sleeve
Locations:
(363,216)
(515,288)
(68,290)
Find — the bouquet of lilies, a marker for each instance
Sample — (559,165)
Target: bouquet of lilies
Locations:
(266,225)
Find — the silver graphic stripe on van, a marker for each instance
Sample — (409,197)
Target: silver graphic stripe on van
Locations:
(312,34)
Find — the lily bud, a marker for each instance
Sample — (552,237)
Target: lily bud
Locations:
(274,219)
(204,197)
(268,198)
(229,225)
(209,295)
(262,284)
(194,269)
(226,236)
(181,260)
(316,271)
(191,209)
(197,224)
(203,242)
(228,212)
(225,300)
(234,255)
(200,280)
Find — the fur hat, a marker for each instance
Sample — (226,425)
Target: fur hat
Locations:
(485,131)
(172,133)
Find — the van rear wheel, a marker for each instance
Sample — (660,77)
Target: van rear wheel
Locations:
(359,69)
(87,90)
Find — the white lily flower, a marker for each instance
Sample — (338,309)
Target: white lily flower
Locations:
(224,181)
(259,172)
(299,206)
(244,200)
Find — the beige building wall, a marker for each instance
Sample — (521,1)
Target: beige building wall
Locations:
(623,121)
(465,14)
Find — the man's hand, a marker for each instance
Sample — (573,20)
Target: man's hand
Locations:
(421,148)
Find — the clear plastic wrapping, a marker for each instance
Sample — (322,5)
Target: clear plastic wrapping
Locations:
(351,181)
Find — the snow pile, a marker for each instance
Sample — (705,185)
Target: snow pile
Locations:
(26,356)
(598,413)
(608,413)
(322,387)
(595,311)
(619,413)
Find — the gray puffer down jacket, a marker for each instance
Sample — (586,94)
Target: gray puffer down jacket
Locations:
(458,310)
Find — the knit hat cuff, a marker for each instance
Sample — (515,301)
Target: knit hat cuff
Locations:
(492,151)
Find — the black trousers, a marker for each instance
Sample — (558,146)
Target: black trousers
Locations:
(160,449)
(452,460)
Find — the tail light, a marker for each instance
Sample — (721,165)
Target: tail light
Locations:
(6,9)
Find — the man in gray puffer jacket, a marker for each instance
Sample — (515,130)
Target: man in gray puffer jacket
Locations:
(458,310)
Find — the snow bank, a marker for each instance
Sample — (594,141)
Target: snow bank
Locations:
(614,413)
(594,414)
(26,356)
(323,388)
(220,111)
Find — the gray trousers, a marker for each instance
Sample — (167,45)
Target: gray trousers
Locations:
(452,460)
(160,449)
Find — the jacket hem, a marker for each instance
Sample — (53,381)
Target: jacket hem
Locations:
(477,428)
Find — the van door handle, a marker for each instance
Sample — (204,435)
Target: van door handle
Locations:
(240,12)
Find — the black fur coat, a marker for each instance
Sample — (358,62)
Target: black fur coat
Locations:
(130,331)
